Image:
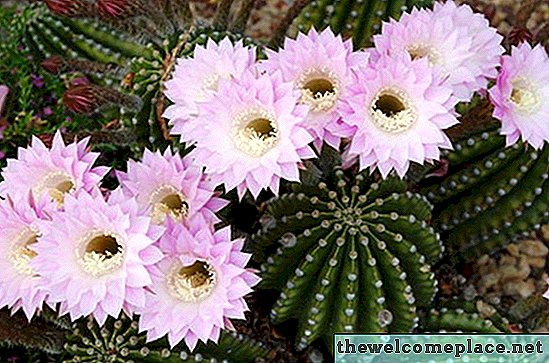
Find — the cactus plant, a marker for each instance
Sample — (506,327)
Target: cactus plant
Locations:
(119,340)
(460,319)
(134,64)
(491,194)
(38,335)
(359,18)
(350,255)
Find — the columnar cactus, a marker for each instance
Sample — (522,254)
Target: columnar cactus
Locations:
(359,18)
(491,194)
(350,255)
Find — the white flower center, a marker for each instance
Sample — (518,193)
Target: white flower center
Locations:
(168,201)
(421,50)
(393,111)
(192,283)
(212,82)
(21,254)
(525,96)
(320,89)
(254,132)
(56,184)
(100,252)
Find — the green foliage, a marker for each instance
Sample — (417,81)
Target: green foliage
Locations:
(491,194)
(32,105)
(358,18)
(350,255)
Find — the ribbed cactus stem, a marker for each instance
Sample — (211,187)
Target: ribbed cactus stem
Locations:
(15,329)
(491,193)
(362,246)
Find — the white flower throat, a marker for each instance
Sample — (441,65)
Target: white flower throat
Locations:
(168,201)
(100,252)
(56,184)
(393,111)
(192,283)
(21,252)
(254,132)
(320,89)
(525,96)
(421,50)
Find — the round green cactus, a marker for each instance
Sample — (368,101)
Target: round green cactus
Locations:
(491,193)
(349,256)
(360,18)
(119,341)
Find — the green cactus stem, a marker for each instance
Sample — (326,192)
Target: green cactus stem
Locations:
(119,341)
(358,18)
(349,256)
(15,330)
(491,194)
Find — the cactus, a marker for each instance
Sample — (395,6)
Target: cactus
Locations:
(362,246)
(37,335)
(131,64)
(460,316)
(491,194)
(358,18)
(119,341)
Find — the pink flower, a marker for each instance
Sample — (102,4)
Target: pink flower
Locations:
(399,108)
(456,41)
(521,96)
(251,133)
(319,66)
(197,77)
(94,255)
(20,284)
(167,185)
(51,173)
(198,287)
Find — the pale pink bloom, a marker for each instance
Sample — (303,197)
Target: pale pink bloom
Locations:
(165,185)
(399,108)
(51,173)
(94,255)
(319,66)
(252,134)
(198,287)
(521,95)
(20,284)
(197,77)
(456,41)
